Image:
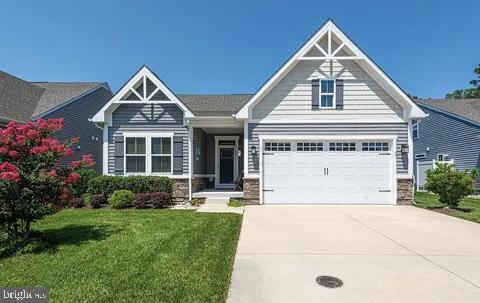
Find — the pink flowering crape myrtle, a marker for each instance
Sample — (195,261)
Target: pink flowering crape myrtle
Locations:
(33,184)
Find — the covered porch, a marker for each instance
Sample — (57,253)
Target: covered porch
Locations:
(217,157)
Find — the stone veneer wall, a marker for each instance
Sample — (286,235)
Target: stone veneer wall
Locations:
(405,191)
(199,183)
(251,191)
(180,190)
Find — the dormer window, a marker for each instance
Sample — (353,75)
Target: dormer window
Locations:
(327,93)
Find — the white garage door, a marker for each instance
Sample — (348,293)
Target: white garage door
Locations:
(328,172)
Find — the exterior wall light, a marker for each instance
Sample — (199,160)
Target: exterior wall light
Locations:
(404,149)
(253,150)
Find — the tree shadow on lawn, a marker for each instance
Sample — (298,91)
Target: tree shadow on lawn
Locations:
(48,240)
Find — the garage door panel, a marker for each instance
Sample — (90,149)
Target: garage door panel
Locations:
(349,177)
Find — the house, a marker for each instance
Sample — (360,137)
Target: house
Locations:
(450,133)
(76,102)
(328,127)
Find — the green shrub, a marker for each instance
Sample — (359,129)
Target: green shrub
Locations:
(87,199)
(106,185)
(121,199)
(80,188)
(451,185)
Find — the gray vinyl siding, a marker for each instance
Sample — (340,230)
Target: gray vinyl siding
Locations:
(398,129)
(445,134)
(363,98)
(147,117)
(199,161)
(210,154)
(76,115)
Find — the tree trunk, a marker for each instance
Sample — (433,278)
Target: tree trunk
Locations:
(26,230)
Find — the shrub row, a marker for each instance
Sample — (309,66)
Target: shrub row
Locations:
(124,199)
(106,185)
(155,199)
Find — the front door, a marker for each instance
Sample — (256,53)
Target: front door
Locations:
(226,165)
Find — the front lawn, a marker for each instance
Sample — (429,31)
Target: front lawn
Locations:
(130,256)
(469,208)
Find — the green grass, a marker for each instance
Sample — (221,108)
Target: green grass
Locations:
(468,209)
(130,256)
(235,203)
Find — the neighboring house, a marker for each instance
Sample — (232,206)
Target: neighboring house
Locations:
(76,102)
(450,133)
(328,127)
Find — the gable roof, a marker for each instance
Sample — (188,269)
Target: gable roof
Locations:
(18,98)
(22,100)
(56,93)
(465,108)
(138,87)
(214,105)
(347,50)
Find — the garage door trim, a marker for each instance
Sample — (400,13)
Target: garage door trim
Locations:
(392,139)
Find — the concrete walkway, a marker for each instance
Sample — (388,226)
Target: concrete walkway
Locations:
(219,208)
(382,254)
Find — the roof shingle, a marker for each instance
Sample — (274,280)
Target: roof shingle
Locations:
(21,100)
(214,105)
(466,108)
(57,93)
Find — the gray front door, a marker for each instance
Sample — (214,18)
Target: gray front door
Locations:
(226,165)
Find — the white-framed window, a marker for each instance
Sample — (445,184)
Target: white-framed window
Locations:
(161,155)
(135,155)
(342,146)
(375,146)
(277,146)
(420,156)
(149,153)
(309,146)
(442,157)
(327,93)
(415,129)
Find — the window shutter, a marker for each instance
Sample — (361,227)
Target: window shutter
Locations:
(177,155)
(339,93)
(118,155)
(315,93)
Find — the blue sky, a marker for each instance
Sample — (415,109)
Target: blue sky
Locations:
(429,47)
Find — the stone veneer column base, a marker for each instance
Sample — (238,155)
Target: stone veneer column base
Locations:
(180,190)
(405,191)
(199,183)
(251,191)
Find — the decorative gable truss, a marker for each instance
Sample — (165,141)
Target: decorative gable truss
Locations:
(328,44)
(143,87)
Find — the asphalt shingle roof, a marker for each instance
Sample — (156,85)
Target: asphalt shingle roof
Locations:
(466,108)
(214,105)
(18,98)
(57,93)
(21,100)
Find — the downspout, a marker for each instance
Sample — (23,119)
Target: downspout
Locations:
(190,165)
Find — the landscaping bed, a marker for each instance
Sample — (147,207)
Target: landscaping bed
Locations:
(130,255)
(468,209)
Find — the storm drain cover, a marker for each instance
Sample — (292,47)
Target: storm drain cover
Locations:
(329,281)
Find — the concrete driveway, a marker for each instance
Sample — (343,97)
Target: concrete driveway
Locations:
(382,254)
